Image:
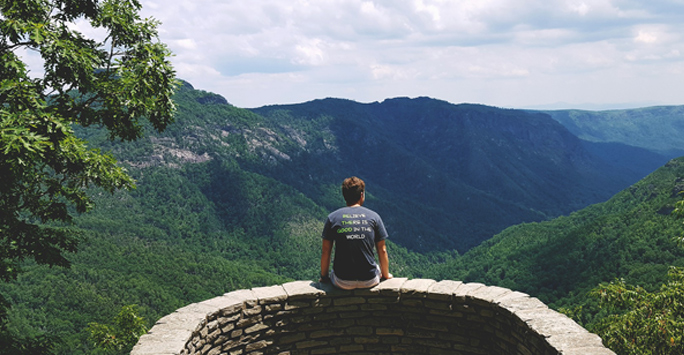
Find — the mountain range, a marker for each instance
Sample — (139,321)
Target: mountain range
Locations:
(450,176)
(443,176)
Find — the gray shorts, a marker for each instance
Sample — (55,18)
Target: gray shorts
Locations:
(350,285)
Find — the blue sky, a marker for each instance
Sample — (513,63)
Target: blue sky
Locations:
(507,53)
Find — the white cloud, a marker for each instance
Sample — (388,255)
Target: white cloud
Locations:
(275,51)
(187,43)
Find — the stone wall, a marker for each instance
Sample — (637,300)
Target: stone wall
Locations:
(399,316)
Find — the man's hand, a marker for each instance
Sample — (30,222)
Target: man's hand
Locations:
(324,279)
(389,276)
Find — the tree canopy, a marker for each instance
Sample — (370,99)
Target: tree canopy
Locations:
(122,82)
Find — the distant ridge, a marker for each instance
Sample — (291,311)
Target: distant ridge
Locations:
(659,129)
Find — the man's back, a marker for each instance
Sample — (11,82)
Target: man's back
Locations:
(355,231)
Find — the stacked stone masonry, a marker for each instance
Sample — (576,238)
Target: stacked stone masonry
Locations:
(399,316)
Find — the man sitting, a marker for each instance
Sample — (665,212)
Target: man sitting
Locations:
(354,230)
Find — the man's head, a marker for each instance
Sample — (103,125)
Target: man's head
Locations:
(353,190)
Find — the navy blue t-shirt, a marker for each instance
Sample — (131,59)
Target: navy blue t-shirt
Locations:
(354,230)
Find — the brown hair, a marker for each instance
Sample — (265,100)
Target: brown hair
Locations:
(352,188)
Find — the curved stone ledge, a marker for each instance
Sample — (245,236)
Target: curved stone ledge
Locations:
(416,316)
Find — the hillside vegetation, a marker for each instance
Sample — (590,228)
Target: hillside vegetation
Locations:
(560,261)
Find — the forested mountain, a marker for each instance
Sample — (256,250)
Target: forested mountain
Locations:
(230,198)
(629,236)
(659,129)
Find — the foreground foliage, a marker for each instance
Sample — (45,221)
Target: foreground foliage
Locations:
(122,82)
(44,167)
(123,333)
(644,322)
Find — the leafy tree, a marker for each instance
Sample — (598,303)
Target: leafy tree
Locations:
(119,82)
(650,322)
(123,333)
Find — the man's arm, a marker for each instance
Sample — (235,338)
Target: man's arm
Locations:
(384,259)
(325,259)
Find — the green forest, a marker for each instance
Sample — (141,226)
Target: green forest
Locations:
(228,198)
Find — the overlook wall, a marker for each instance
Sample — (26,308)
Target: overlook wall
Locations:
(399,316)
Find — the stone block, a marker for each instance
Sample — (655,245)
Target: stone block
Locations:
(188,318)
(548,322)
(303,290)
(434,343)
(389,331)
(258,345)
(324,317)
(256,328)
(270,294)
(415,333)
(310,344)
(273,307)
(443,290)
(574,340)
(348,301)
(391,298)
(351,348)
(433,326)
(167,343)
(245,296)
(522,303)
(341,309)
(389,287)
(291,305)
(366,340)
(359,330)
(416,287)
(307,311)
(489,294)
(353,315)
(248,322)
(510,296)
(374,307)
(378,321)
(326,333)
(221,303)
(466,289)
(340,340)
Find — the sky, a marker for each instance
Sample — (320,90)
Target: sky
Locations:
(591,54)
